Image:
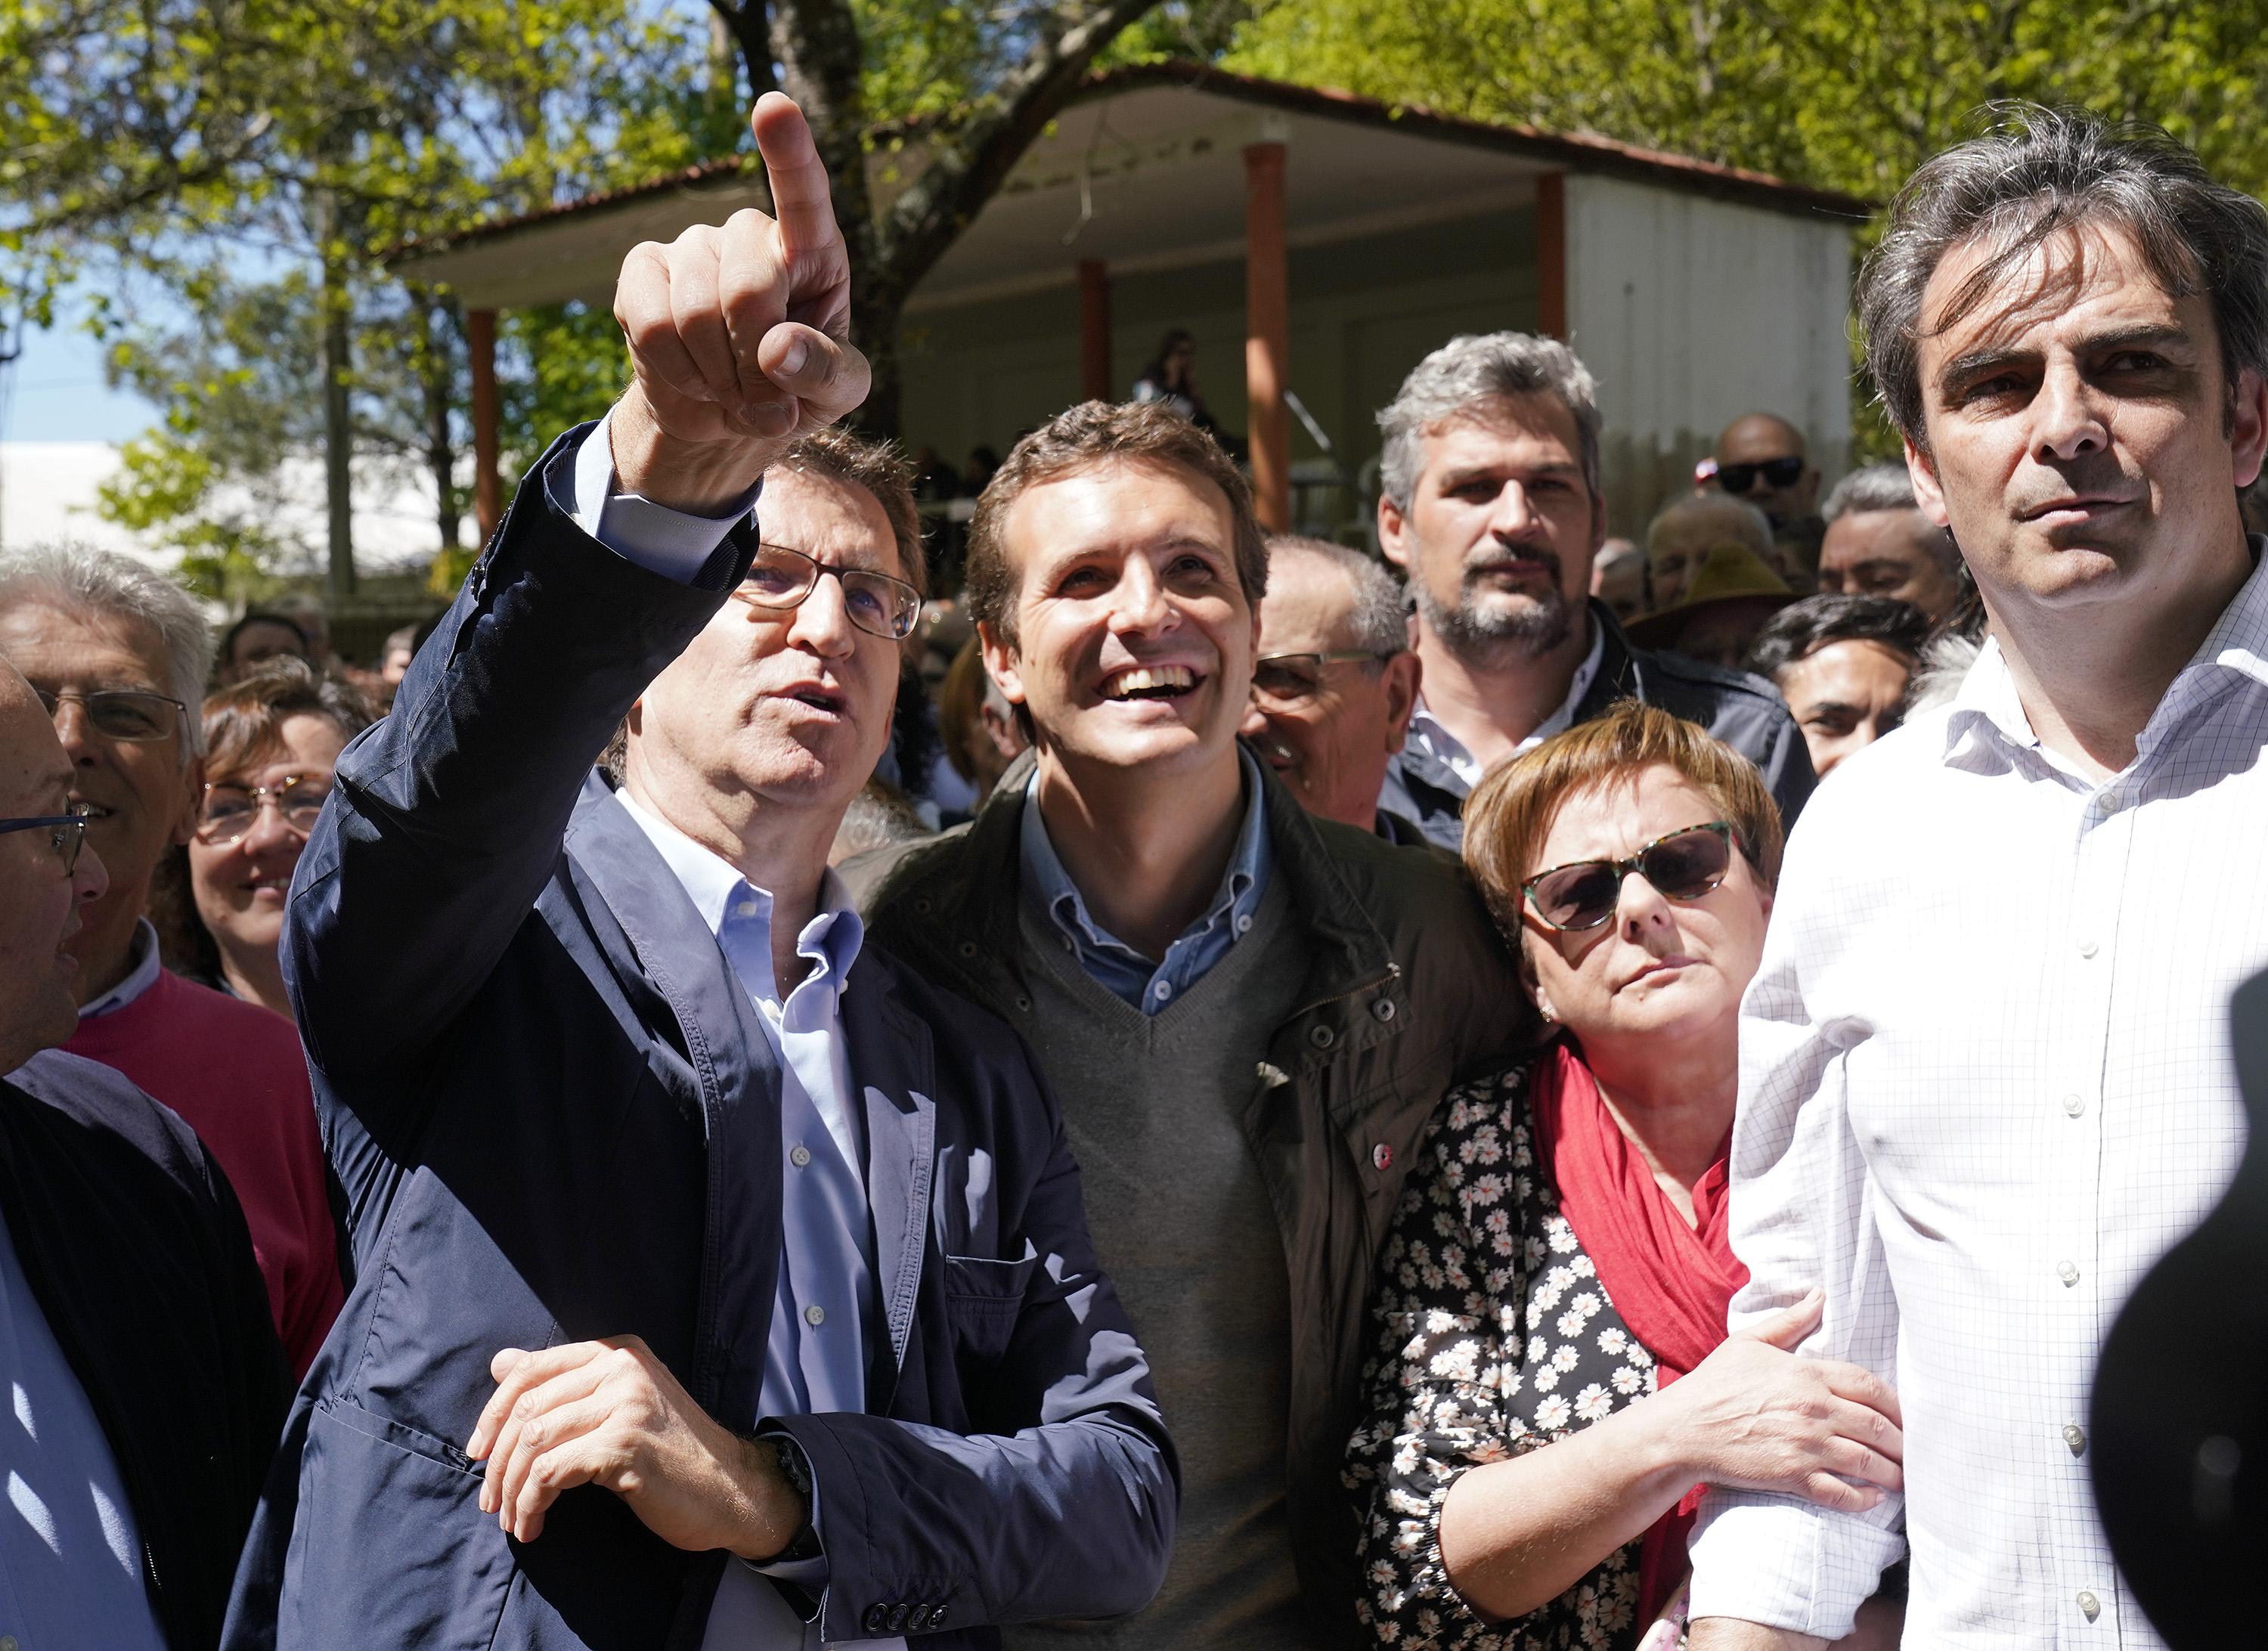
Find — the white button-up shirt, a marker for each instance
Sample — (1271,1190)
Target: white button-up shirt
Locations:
(1985,1083)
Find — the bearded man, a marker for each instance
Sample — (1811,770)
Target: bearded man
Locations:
(1491,505)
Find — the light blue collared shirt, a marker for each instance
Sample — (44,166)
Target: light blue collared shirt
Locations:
(826,1308)
(71,1555)
(1112,963)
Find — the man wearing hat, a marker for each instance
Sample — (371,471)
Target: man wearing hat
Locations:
(1491,507)
(1732,596)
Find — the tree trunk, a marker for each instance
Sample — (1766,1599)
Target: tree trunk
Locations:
(338,426)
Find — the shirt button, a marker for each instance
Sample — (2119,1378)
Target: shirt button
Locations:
(7,1642)
(746,909)
(2075,1436)
(2073,1105)
(2089,1606)
(2067,1272)
(1244,925)
(800,1156)
(814,1316)
(1162,991)
(2087,948)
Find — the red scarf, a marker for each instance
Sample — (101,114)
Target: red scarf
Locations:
(1672,1283)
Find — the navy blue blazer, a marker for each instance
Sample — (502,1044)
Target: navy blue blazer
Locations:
(556,1118)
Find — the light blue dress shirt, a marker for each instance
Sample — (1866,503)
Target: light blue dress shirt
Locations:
(70,1555)
(827,1310)
(1108,960)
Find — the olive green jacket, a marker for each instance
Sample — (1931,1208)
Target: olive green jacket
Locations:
(1410,990)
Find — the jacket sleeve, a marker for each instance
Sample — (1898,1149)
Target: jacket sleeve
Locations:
(447,815)
(1071,1514)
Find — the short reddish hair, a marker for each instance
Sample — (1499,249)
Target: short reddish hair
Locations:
(1510,811)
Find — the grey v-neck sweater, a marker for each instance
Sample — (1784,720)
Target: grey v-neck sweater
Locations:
(1183,1224)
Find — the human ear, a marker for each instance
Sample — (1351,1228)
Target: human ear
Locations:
(1403,674)
(193,793)
(1000,662)
(2248,427)
(1927,494)
(1393,526)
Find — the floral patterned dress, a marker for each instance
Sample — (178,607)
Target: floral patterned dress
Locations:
(1494,1337)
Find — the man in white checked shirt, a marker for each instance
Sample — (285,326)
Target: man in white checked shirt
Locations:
(1985,1073)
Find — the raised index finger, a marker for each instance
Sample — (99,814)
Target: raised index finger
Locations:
(802,203)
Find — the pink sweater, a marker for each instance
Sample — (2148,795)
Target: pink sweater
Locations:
(236,1075)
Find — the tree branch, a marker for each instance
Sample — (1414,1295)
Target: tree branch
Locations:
(971,160)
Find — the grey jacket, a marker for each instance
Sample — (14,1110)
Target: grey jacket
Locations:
(1340,1096)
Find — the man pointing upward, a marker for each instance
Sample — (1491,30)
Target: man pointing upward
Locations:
(720,1285)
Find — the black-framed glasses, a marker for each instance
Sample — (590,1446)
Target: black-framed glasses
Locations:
(1584,894)
(1288,681)
(229,810)
(66,832)
(1739,478)
(128,714)
(879,605)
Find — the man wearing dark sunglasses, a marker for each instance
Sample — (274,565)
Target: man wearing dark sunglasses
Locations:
(723,1284)
(1762,458)
(146,1382)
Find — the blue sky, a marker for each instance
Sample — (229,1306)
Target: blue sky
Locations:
(54,392)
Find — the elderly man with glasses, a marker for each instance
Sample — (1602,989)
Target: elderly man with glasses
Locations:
(134,1336)
(118,655)
(724,1285)
(1335,684)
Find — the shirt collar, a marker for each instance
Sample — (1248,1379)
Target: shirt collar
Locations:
(1241,885)
(2238,642)
(1449,750)
(736,910)
(138,979)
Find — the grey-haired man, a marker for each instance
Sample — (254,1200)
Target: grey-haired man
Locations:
(1491,504)
(1881,543)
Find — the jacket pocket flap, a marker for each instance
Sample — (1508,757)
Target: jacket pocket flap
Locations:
(976,1280)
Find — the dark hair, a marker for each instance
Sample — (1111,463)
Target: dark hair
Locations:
(881,468)
(247,717)
(256,616)
(1804,627)
(1080,439)
(1175,337)
(2032,174)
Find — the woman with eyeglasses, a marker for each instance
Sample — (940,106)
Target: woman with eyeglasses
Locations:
(271,740)
(1550,1384)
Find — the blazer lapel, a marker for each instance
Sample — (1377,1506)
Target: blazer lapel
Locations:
(892,1067)
(740,1092)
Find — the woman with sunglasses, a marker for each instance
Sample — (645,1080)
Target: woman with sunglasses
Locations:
(271,740)
(1551,1383)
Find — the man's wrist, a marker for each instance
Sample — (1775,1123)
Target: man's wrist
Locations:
(779,1508)
(1730,1634)
(699,479)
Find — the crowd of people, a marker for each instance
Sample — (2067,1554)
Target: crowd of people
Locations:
(1204,1090)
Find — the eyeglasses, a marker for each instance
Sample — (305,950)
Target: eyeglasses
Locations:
(228,810)
(1683,866)
(131,715)
(1288,681)
(879,605)
(66,832)
(1739,478)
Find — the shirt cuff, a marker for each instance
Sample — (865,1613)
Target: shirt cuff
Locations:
(660,540)
(1785,1564)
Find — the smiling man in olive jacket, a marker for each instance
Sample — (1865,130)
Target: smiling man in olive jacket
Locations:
(1249,1013)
